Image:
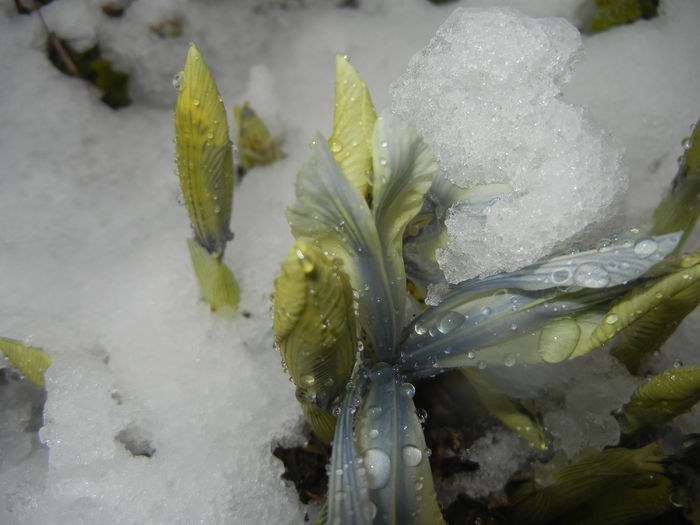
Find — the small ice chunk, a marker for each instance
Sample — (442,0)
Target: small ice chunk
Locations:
(485,94)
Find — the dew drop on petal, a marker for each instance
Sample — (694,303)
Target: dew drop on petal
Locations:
(420,328)
(378,467)
(611,319)
(411,455)
(591,275)
(645,248)
(450,321)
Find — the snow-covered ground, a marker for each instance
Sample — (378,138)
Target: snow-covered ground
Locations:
(94,266)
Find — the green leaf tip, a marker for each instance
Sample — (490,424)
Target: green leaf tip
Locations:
(661,398)
(203,154)
(314,327)
(646,316)
(613,487)
(353,125)
(217,284)
(611,13)
(513,413)
(31,362)
(680,208)
(256,147)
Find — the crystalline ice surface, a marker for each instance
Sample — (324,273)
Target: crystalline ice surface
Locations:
(485,94)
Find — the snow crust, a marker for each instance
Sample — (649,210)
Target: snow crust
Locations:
(158,411)
(485,94)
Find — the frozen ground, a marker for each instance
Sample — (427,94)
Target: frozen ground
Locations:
(94,266)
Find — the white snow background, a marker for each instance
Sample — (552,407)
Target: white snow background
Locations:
(94,267)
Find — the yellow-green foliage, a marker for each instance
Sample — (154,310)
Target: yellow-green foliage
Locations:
(30,361)
(314,327)
(661,398)
(611,13)
(205,167)
(353,124)
(679,209)
(617,486)
(256,147)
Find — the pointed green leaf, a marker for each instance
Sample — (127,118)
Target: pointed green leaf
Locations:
(314,327)
(256,147)
(578,486)
(322,421)
(217,284)
(203,154)
(661,398)
(353,122)
(679,209)
(511,412)
(611,13)
(661,302)
(331,213)
(31,362)
(404,168)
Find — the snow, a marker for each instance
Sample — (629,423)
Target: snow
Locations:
(485,95)
(95,267)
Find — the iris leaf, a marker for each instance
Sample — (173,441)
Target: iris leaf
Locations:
(511,412)
(661,398)
(380,472)
(336,218)
(578,486)
(353,123)
(649,313)
(31,362)
(256,147)
(611,265)
(679,209)
(348,497)
(203,154)
(217,284)
(403,171)
(314,327)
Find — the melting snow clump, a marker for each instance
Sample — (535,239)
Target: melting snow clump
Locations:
(485,95)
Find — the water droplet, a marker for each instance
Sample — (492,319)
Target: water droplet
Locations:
(195,102)
(677,363)
(411,455)
(611,319)
(450,321)
(383,162)
(514,327)
(486,311)
(432,332)
(645,247)
(374,411)
(177,81)
(561,277)
(591,275)
(509,360)
(687,143)
(481,365)
(407,389)
(378,465)
(471,355)
(385,144)
(369,509)
(336,147)
(308,379)
(420,328)
(373,433)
